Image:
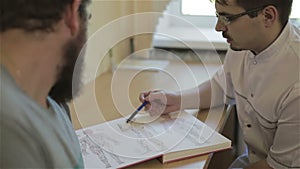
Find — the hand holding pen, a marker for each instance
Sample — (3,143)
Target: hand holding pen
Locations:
(161,101)
(136,111)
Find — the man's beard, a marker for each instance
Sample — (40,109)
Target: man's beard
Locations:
(69,81)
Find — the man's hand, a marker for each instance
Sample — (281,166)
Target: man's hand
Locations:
(161,102)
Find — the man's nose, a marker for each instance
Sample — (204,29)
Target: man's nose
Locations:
(220,26)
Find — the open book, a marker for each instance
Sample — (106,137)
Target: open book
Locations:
(117,144)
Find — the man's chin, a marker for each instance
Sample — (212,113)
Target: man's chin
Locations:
(234,48)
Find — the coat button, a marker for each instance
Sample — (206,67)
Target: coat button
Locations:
(249,125)
(254,62)
(252,95)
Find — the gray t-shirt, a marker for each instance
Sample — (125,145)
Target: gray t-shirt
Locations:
(32,136)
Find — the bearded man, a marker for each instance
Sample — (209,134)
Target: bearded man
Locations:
(40,45)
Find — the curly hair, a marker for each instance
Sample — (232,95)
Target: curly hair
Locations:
(284,7)
(32,15)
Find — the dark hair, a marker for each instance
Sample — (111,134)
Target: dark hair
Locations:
(284,7)
(32,15)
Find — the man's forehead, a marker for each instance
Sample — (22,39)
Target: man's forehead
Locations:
(229,7)
(227,2)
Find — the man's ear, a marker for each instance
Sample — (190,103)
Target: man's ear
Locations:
(71,17)
(270,14)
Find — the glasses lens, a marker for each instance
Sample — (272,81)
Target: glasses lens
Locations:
(224,19)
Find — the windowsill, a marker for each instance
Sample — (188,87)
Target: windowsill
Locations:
(186,37)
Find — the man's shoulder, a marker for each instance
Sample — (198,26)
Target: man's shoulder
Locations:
(16,106)
(12,105)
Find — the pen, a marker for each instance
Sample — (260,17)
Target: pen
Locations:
(136,111)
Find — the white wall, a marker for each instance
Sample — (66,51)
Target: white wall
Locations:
(112,21)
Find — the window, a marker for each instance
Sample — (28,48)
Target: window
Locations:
(195,30)
(198,14)
(198,7)
(206,8)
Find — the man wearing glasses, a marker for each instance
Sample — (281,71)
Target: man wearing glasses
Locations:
(40,45)
(260,75)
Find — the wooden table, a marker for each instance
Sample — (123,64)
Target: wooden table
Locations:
(113,95)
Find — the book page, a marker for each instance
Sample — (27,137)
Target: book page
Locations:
(117,144)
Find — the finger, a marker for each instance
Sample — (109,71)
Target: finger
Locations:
(147,107)
(170,109)
(158,97)
(143,95)
(156,109)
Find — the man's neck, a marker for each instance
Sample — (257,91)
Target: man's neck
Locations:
(33,63)
(270,37)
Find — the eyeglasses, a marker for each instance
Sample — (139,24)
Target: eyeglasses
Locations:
(227,19)
(83,12)
(90,16)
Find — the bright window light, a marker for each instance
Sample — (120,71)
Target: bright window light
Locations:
(295,9)
(198,7)
(207,8)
